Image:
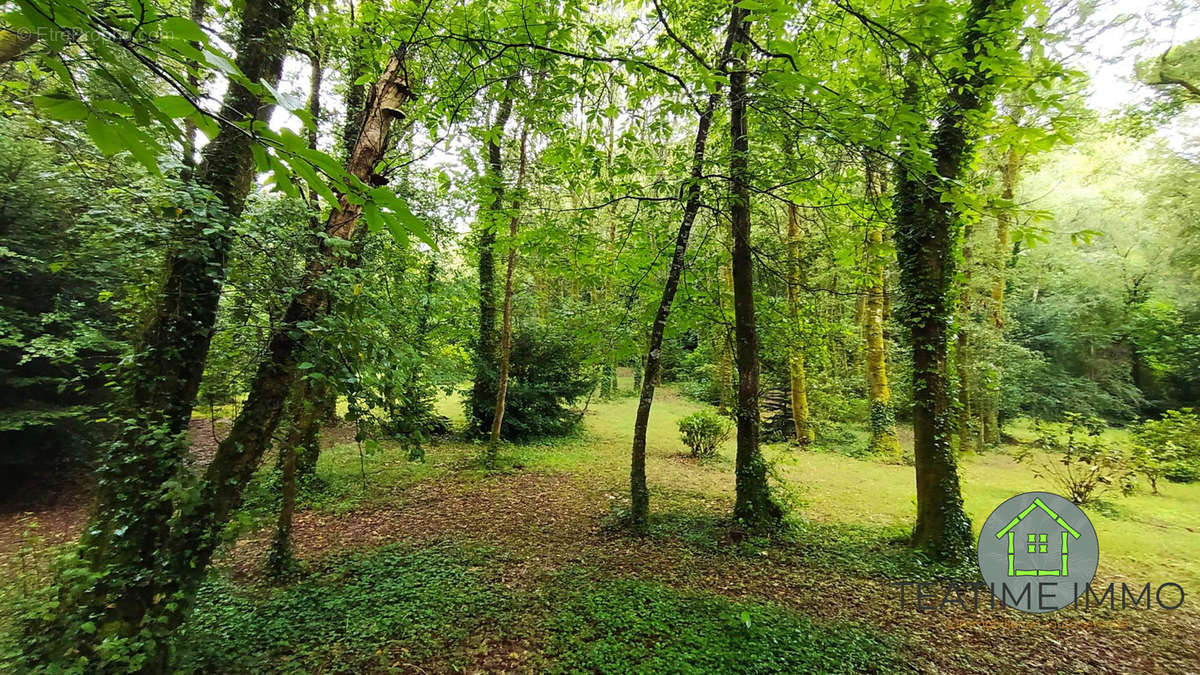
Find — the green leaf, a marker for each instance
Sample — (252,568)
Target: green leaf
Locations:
(174,105)
(107,138)
(181,27)
(62,108)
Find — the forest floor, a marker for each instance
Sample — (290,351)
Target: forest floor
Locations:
(439,566)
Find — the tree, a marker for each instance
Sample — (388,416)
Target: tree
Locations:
(753,505)
(639,492)
(927,226)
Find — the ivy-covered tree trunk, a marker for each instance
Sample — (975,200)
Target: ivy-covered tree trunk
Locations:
(220,491)
(797,376)
(753,505)
(178,559)
(483,393)
(639,514)
(927,228)
(506,321)
(138,475)
(879,393)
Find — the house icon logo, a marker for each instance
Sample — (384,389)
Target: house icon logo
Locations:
(1037,552)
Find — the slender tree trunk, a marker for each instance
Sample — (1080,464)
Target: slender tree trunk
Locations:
(483,395)
(724,343)
(196,13)
(753,505)
(927,226)
(639,493)
(133,511)
(797,375)
(506,322)
(879,393)
(962,352)
(991,413)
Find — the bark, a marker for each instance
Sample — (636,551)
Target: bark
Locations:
(724,343)
(797,375)
(506,322)
(753,505)
(962,352)
(483,392)
(13,44)
(204,511)
(133,510)
(927,228)
(196,13)
(879,393)
(1000,256)
(640,494)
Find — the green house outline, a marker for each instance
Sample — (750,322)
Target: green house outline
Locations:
(1012,551)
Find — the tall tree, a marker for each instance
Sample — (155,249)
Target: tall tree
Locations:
(483,398)
(753,505)
(639,492)
(928,225)
(797,375)
(138,473)
(879,393)
(506,321)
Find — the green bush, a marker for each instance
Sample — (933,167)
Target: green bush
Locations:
(1078,461)
(547,375)
(702,432)
(1169,447)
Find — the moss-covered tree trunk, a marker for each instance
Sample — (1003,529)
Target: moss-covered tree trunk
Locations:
(927,228)
(879,393)
(753,505)
(483,392)
(138,474)
(797,376)
(639,492)
(1000,256)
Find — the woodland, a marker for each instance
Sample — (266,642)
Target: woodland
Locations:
(616,336)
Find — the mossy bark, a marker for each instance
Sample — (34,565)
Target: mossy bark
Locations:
(797,376)
(927,228)
(879,393)
(753,505)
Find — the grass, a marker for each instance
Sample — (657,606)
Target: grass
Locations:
(384,609)
(868,503)
(632,626)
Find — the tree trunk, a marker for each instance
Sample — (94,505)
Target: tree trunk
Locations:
(1000,256)
(797,376)
(879,394)
(506,322)
(483,395)
(133,512)
(185,552)
(639,493)
(962,352)
(753,505)
(926,228)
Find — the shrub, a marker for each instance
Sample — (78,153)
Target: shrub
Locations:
(702,432)
(547,376)
(1079,462)
(1169,448)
